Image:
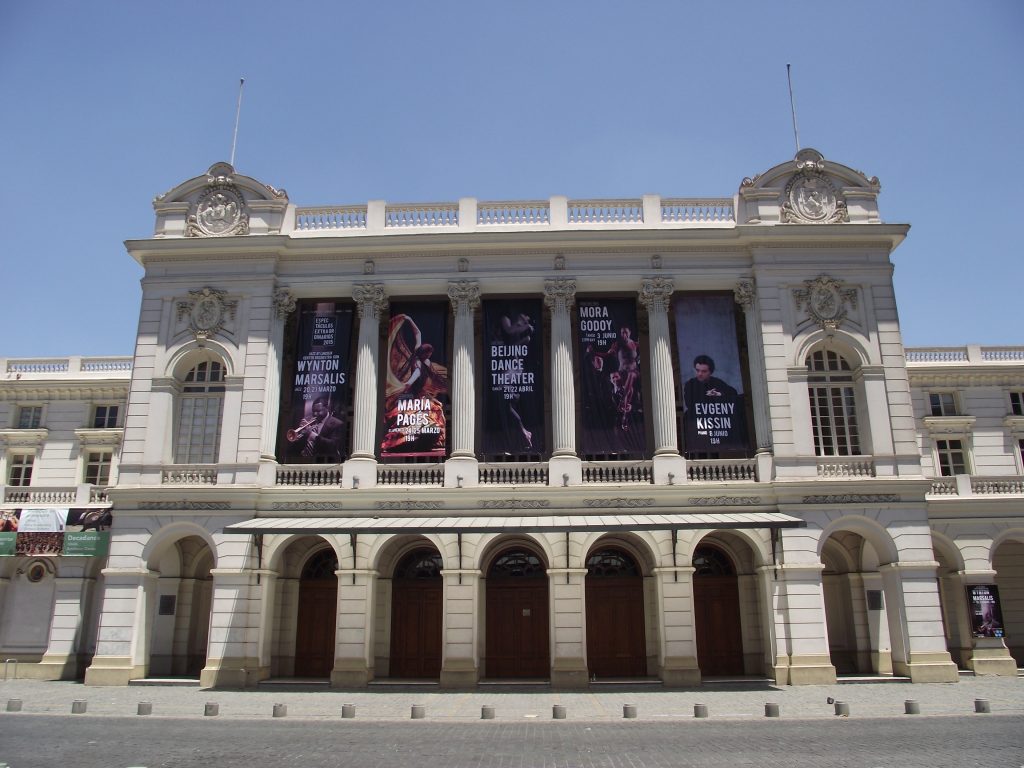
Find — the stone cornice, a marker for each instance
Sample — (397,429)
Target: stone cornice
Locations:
(23,438)
(949,425)
(967,375)
(89,437)
(31,391)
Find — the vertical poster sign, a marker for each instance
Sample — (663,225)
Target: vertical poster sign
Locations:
(609,348)
(417,380)
(319,383)
(513,377)
(714,408)
(41,531)
(986,613)
(8,531)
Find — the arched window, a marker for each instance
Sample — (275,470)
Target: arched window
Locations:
(419,565)
(833,407)
(200,410)
(321,566)
(611,564)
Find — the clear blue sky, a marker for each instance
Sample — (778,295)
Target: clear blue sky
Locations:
(107,104)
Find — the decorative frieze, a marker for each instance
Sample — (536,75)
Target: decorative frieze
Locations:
(184,504)
(620,502)
(724,501)
(306,506)
(853,498)
(408,505)
(514,504)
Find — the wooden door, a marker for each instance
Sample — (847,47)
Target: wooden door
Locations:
(517,618)
(416,616)
(716,608)
(616,643)
(317,616)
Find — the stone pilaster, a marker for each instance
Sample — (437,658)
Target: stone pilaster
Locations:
(71,608)
(746,296)
(465,298)
(283,304)
(669,466)
(568,598)
(361,467)
(678,647)
(796,601)
(353,639)
(460,663)
(564,467)
(231,656)
(122,644)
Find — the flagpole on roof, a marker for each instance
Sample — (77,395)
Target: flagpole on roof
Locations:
(792,108)
(238,113)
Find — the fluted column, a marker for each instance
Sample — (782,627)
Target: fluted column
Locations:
(361,468)
(669,466)
(564,467)
(461,470)
(746,296)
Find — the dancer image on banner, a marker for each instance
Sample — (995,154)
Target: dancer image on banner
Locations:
(413,411)
(626,377)
(514,379)
(319,436)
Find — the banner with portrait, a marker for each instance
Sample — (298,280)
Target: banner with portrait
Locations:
(513,368)
(610,379)
(986,612)
(314,430)
(416,384)
(48,531)
(714,403)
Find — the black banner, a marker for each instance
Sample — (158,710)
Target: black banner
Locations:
(513,377)
(714,415)
(417,380)
(986,613)
(609,350)
(319,383)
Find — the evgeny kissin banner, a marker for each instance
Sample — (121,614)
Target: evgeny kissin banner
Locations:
(417,380)
(319,383)
(714,415)
(610,385)
(513,377)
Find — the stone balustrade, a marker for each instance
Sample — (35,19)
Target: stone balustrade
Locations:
(514,473)
(846,466)
(72,366)
(410,474)
(618,472)
(721,470)
(558,213)
(309,474)
(970,355)
(183,474)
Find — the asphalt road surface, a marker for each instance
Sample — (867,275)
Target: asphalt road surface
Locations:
(43,741)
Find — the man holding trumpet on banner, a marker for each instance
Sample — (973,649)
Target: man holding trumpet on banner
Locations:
(320,436)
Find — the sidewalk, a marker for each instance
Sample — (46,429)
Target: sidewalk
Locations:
(724,701)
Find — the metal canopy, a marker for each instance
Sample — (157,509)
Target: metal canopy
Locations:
(539,523)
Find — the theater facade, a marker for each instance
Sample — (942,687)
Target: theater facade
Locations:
(566,441)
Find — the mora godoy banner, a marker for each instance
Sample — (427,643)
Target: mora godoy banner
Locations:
(714,404)
(513,377)
(610,379)
(319,383)
(416,387)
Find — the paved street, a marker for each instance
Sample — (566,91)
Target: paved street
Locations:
(665,733)
(108,742)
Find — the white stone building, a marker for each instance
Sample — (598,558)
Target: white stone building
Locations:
(567,440)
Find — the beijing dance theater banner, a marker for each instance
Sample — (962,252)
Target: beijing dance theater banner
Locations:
(319,383)
(986,613)
(513,377)
(714,416)
(613,420)
(417,380)
(55,531)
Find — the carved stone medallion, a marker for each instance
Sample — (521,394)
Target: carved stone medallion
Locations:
(810,196)
(207,310)
(825,300)
(218,213)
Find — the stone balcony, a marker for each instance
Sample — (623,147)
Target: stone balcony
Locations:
(83,495)
(977,485)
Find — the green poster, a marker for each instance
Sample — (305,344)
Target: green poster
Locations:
(7,541)
(86,543)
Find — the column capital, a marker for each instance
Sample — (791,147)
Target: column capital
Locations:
(655,293)
(464,293)
(560,293)
(284,302)
(371,300)
(745,292)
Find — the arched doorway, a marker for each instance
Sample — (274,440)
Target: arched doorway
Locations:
(1008,562)
(716,613)
(517,616)
(616,646)
(317,615)
(417,614)
(181,609)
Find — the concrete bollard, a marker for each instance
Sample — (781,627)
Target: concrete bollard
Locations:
(211,710)
(418,712)
(911,707)
(78,707)
(14,705)
(771,710)
(348,711)
(629,711)
(700,710)
(558,712)
(280,710)
(486,713)
(145,708)
(982,705)
(842,709)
